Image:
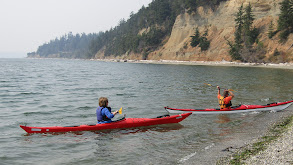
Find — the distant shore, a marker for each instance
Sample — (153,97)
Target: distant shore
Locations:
(287,65)
(207,63)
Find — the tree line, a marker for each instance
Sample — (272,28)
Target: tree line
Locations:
(142,33)
(67,46)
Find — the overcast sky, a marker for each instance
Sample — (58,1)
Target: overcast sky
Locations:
(27,24)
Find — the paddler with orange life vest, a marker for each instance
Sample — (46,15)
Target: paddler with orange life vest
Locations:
(103,112)
(225,100)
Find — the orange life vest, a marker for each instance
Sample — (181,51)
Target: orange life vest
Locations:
(222,103)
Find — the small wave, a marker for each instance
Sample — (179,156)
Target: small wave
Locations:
(36,113)
(43,106)
(265,99)
(186,157)
(210,146)
(86,108)
(29,93)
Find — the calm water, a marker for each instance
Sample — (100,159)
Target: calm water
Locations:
(65,92)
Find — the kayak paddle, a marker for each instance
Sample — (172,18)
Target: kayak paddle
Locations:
(120,111)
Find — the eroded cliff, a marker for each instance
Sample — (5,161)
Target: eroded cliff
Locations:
(221,27)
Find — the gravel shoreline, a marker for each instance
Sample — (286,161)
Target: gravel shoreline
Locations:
(277,151)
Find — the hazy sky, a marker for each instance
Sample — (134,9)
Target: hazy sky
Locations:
(27,24)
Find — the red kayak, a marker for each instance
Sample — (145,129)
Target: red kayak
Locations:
(237,109)
(123,123)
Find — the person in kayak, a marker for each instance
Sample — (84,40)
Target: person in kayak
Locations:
(225,100)
(104,114)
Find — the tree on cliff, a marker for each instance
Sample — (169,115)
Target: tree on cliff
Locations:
(237,46)
(195,38)
(245,36)
(202,41)
(271,32)
(250,33)
(285,22)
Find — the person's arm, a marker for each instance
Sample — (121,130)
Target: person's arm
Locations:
(231,94)
(219,93)
(114,113)
(108,113)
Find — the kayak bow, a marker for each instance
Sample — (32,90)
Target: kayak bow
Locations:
(123,123)
(237,109)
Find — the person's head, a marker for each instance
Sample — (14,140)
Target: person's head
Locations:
(226,93)
(103,102)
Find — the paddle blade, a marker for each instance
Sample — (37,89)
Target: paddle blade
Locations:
(208,84)
(120,111)
(232,90)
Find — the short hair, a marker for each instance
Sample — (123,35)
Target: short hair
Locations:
(103,102)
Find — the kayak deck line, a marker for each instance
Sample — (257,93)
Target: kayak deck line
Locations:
(276,106)
(119,124)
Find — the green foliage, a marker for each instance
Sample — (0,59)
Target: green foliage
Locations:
(239,26)
(67,46)
(271,31)
(249,33)
(248,19)
(245,37)
(204,44)
(202,41)
(235,50)
(285,22)
(253,34)
(195,38)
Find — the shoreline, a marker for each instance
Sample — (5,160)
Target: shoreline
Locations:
(273,147)
(204,63)
(287,65)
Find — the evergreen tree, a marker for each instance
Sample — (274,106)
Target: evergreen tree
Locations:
(234,50)
(239,26)
(204,43)
(271,32)
(195,38)
(245,37)
(248,32)
(237,46)
(285,22)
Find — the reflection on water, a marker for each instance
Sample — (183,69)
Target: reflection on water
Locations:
(156,128)
(223,119)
